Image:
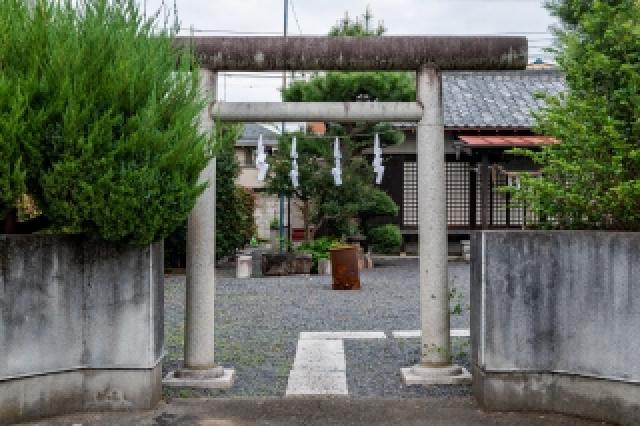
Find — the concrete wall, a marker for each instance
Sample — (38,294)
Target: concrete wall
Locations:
(81,326)
(555,320)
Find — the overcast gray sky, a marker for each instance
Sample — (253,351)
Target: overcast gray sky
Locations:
(317,16)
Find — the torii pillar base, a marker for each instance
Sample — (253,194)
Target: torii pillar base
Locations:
(213,378)
(422,375)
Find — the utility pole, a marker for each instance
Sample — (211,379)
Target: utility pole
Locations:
(284,86)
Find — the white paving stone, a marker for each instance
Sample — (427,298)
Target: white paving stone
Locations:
(307,382)
(414,334)
(321,355)
(342,335)
(318,369)
(406,334)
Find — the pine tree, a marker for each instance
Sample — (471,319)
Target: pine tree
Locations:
(328,207)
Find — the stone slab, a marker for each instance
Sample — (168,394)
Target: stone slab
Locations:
(414,334)
(342,335)
(224,382)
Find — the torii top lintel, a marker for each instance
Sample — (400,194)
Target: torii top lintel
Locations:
(387,53)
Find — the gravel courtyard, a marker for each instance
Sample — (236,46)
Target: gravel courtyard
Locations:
(258,322)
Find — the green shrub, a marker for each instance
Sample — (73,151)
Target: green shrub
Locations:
(319,248)
(235,224)
(110,142)
(16,87)
(385,238)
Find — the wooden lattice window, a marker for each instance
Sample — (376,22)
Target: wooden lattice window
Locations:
(410,194)
(457,191)
(457,184)
(499,205)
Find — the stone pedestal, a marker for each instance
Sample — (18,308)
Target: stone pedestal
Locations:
(214,378)
(244,267)
(447,375)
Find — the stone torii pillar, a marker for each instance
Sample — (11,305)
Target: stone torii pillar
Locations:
(435,366)
(200,369)
(428,55)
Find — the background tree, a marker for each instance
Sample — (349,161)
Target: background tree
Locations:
(311,167)
(332,208)
(235,224)
(591,179)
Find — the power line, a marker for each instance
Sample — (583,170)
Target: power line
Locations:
(295,17)
(195,30)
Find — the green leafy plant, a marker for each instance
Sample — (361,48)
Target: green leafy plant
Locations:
(318,249)
(591,178)
(108,141)
(385,238)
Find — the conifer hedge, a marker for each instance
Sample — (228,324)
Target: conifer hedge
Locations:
(98,119)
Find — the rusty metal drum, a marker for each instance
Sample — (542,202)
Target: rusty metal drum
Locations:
(344,268)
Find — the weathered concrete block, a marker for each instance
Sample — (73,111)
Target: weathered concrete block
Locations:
(324,267)
(302,264)
(277,264)
(81,326)
(554,320)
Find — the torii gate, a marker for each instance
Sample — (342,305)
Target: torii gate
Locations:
(428,56)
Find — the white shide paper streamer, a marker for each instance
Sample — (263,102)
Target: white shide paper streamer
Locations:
(294,164)
(337,170)
(261,160)
(378,168)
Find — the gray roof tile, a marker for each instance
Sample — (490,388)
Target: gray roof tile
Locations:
(496,98)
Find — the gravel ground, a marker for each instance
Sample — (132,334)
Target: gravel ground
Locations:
(258,321)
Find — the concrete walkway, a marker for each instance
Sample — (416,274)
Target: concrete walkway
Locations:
(320,412)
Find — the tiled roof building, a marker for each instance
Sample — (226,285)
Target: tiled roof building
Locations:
(503,99)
